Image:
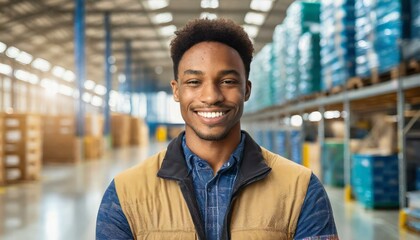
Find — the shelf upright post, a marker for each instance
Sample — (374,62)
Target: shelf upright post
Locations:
(80,63)
(321,136)
(128,71)
(108,77)
(347,152)
(401,144)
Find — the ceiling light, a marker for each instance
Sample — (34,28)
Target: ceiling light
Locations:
(156,4)
(6,69)
(12,52)
(162,18)
(296,121)
(33,79)
(331,114)
(58,71)
(2,47)
(24,57)
(65,90)
(100,89)
(167,30)
(86,97)
(51,87)
(89,84)
(254,18)
(207,15)
(41,64)
(22,75)
(315,116)
(69,76)
(251,30)
(209,3)
(96,101)
(261,5)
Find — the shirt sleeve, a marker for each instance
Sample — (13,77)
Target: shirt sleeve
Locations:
(316,220)
(111,222)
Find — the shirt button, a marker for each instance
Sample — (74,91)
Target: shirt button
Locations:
(201,165)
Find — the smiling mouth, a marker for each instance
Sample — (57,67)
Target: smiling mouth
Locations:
(211,114)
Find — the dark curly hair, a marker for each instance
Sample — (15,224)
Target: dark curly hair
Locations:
(217,30)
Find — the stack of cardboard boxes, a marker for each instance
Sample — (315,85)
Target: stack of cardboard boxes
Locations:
(22,147)
(59,140)
(2,173)
(120,130)
(139,133)
(93,141)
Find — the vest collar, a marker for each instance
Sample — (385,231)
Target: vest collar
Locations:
(175,167)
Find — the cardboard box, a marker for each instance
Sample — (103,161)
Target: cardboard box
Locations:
(59,140)
(2,169)
(94,125)
(382,138)
(139,132)
(22,147)
(93,147)
(120,130)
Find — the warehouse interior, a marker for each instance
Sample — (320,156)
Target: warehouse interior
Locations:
(85,94)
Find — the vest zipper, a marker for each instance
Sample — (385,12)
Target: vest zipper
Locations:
(242,185)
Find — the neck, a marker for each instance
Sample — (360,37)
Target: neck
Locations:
(216,153)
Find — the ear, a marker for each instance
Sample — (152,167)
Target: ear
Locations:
(248,87)
(175,90)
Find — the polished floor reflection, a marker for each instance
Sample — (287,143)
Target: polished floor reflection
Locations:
(63,205)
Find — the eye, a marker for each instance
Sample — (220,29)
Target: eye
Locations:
(229,81)
(192,82)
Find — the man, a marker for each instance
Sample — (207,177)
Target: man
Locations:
(214,181)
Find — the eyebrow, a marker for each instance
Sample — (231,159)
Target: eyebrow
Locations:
(193,72)
(220,74)
(228,72)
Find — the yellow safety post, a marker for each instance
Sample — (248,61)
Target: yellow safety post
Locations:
(161,133)
(348,196)
(403,219)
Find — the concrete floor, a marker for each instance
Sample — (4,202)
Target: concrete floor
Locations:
(64,204)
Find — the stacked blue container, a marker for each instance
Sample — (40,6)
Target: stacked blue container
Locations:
(337,42)
(260,76)
(309,63)
(418,178)
(375,180)
(279,65)
(296,146)
(333,163)
(301,15)
(380,26)
(280,143)
(415,19)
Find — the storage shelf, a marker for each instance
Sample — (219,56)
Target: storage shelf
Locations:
(409,82)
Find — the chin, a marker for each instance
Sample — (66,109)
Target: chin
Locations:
(215,136)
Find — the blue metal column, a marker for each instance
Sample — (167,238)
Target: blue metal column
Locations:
(79,52)
(321,139)
(108,74)
(128,77)
(402,163)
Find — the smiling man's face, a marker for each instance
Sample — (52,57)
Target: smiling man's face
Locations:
(211,89)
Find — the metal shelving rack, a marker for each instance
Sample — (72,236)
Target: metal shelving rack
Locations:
(396,86)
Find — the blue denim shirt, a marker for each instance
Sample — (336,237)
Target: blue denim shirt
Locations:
(213,194)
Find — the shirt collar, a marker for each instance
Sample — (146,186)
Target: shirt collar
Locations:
(236,155)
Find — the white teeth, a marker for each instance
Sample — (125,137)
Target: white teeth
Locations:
(211,114)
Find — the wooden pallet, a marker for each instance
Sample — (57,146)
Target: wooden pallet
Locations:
(413,66)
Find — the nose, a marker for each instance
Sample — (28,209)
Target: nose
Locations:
(211,94)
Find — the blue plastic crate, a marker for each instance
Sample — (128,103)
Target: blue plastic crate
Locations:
(375,180)
(280,143)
